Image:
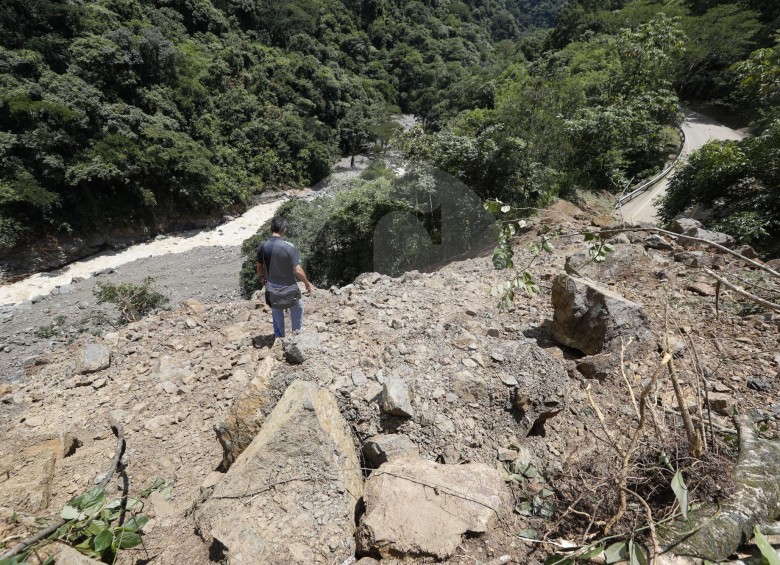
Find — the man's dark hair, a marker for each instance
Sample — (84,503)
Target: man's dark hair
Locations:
(279,225)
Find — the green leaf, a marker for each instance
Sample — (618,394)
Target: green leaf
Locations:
(616,552)
(128,540)
(96,526)
(135,523)
(116,503)
(70,513)
(104,540)
(765,547)
(528,471)
(133,504)
(515,477)
(559,560)
(548,247)
(681,492)
(635,554)
(93,497)
(592,552)
(529,533)
(524,508)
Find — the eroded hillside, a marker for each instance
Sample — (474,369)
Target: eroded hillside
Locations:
(425,357)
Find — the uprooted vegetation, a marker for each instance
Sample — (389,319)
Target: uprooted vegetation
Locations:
(429,378)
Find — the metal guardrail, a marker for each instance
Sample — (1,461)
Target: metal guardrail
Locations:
(648,183)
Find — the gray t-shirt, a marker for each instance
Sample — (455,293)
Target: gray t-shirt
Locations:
(279,259)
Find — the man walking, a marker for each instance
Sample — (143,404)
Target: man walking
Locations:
(279,266)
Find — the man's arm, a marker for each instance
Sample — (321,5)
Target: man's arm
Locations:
(301,275)
(260,272)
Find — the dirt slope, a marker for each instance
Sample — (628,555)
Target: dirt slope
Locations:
(175,375)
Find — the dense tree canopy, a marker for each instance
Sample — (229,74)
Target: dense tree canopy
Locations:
(128,112)
(120,112)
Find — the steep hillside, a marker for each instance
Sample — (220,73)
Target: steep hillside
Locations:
(480,387)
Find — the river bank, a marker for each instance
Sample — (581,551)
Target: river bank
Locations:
(49,310)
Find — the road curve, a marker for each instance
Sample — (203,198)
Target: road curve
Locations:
(699,129)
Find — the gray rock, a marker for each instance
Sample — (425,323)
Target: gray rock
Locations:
(693,259)
(93,357)
(682,225)
(749,252)
(291,495)
(168,387)
(713,236)
(299,348)
(382,448)
(38,298)
(359,377)
(592,318)
(508,380)
(101,272)
(426,516)
(245,417)
(397,397)
(655,241)
(168,369)
(444,424)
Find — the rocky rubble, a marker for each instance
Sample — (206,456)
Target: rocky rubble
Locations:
(420,374)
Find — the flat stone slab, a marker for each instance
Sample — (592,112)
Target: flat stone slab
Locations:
(417,508)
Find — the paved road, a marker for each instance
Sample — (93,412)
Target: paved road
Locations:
(699,129)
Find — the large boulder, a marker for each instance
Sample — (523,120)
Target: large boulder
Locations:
(592,318)
(290,497)
(693,228)
(420,509)
(245,417)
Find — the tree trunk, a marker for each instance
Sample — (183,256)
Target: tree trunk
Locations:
(715,532)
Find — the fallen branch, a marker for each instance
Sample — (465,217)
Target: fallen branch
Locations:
(714,532)
(46,532)
(743,292)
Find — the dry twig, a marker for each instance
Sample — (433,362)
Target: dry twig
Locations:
(650,524)
(694,440)
(634,441)
(603,422)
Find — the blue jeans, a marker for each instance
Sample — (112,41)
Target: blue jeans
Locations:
(296,316)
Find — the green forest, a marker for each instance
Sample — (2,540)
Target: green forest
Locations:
(126,112)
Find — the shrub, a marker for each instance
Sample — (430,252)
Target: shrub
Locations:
(133,300)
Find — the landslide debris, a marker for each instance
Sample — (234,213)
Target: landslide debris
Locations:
(423,370)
